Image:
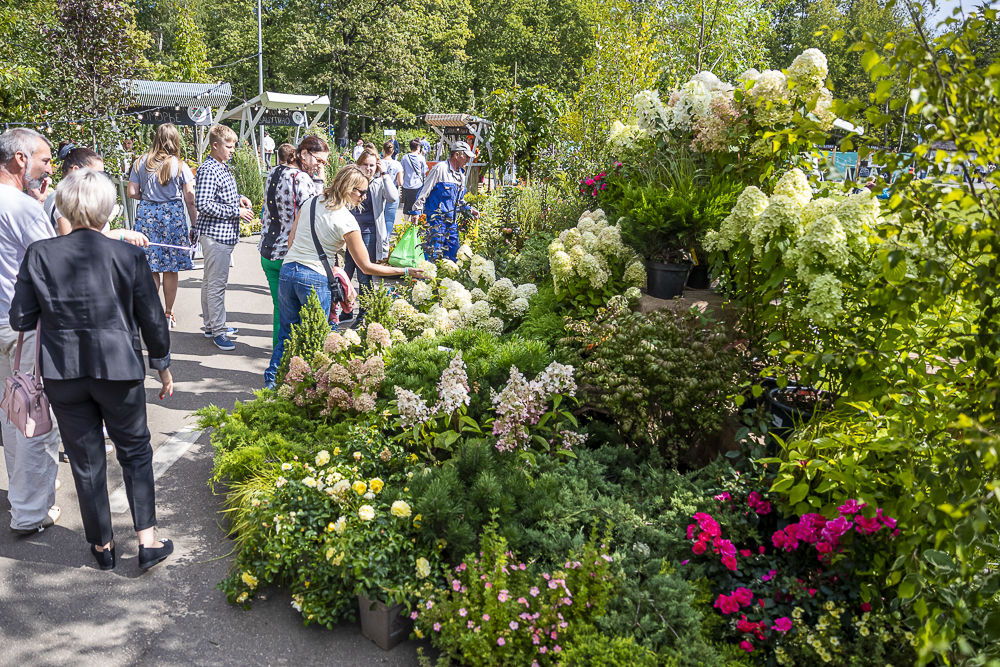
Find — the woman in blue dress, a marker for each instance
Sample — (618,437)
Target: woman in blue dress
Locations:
(164,185)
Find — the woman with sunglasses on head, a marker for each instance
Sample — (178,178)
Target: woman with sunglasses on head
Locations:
(287,187)
(327,220)
(164,186)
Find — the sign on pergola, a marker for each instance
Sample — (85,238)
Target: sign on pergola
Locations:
(278,109)
(180,103)
(452,127)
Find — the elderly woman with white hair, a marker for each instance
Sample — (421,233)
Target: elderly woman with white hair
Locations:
(91,298)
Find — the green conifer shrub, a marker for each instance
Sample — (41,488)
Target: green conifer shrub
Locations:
(306,338)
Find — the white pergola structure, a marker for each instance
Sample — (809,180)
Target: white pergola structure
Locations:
(452,127)
(277,109)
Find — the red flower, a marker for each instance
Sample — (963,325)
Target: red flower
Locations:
(745,625)
(763,507)
(729,562)
(753,499)
(778,539)
(824,547)
(746,646)
(699,548)
(889,522)
(746,553)
(761,549)
(744,596)
(865,606)
(726,604)
(690,531)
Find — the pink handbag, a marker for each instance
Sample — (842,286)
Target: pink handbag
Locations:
(24,400)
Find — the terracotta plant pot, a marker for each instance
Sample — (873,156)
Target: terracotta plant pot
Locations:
(386,626)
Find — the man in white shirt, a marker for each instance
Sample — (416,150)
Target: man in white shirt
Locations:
(358,150)
(32,463)
(268,149)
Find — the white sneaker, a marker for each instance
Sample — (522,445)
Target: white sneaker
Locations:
(58,484)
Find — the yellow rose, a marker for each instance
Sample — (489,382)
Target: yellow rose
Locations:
(243,597)
(417,632)
(360,488)
(366,512)
(336,451)
(330,527)
(340,526)
(249,580)
(376,485)
(357,456)
(401,509)
(423,568)
(323,458)
(310,482)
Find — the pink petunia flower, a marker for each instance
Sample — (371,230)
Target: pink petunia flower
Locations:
(501,641)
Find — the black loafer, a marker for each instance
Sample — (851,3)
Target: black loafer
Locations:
(106,559)
(150,557)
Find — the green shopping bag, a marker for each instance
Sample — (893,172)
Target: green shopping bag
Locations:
(407,252)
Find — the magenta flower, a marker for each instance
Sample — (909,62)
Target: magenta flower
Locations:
(783,624)
(727,605)
(852,506)
(514,625)
(501,641)
(729,562)
(437,627)
(534,591)
(413,616)
(462,612)
(769,576)
(486,617)
(889,522)
(746,646)
(744,596)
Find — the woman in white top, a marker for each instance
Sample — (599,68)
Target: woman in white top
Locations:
(302,271)
(164,184)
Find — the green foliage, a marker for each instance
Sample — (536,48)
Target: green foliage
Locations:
(246,171)
(376,301)
(493,592)
(190,52)
(417,365)
(594,648)
(524,124)
(307,337)
(543,323)
(665,377)
(259,434)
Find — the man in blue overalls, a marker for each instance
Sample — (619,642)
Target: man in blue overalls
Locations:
(441,198)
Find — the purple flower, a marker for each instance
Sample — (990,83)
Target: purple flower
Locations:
(501,641)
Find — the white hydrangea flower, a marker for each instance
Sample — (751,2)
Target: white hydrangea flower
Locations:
(481,310)
(793,183)
(493,325)
(429,269)
(750,75)
(453,387)
(483,270)
(635,274)
(398,337)
(809,70)
(821,106)
(633,294)
(422,293)
(352,337)
(428,333)
(478,295)
(464,254)
(501,293)
(825,302)
(782,216)
(824,239)
(449,267)
(816,209)
(526,291)
(518,307)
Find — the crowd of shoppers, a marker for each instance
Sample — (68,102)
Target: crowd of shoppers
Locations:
(93,292)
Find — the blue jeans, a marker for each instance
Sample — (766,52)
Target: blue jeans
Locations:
(364,280)
(390,216)
(295,283)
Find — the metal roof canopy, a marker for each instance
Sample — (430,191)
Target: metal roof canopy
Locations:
(177,93)
(465,124)
(249,117)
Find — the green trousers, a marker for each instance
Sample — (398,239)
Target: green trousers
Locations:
(272,270)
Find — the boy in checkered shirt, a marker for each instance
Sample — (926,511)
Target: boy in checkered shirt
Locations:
(220,209)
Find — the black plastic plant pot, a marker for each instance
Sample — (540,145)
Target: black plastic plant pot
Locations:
(386,626)
(786,418)
(666,281)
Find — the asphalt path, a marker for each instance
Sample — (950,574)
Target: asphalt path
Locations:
(58,608)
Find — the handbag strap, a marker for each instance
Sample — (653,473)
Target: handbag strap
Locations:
(319,248)
(38,347)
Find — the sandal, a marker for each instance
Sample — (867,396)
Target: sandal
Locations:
(148,557)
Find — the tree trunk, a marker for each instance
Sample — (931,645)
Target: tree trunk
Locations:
(345,100)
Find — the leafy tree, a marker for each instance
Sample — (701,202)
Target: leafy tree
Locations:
(722,36)
(190,54)
(525,122)
(624,61)
(22,84)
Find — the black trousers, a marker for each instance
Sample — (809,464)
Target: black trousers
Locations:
(81,406)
